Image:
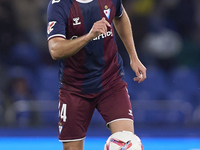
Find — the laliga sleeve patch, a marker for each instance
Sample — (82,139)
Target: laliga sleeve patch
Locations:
(50,26)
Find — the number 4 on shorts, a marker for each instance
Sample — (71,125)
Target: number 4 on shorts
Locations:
(63,112)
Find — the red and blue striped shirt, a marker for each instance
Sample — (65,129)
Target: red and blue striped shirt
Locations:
(96,65)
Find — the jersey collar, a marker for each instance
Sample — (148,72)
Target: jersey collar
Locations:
(84,1)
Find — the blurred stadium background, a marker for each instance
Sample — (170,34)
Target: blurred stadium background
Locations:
(167,38)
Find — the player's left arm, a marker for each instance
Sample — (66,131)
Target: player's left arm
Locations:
(123,27)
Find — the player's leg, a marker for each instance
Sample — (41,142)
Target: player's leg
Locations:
(73,145)
(115,107)
(75,113)
(121,125)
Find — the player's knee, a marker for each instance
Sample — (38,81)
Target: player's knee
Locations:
(122,125)
(70,148)
(76,145)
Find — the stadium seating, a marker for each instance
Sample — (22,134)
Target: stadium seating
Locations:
(165,97)
(49,85)
(153,88)
(184,85)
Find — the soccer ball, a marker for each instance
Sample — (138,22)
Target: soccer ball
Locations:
(124,140)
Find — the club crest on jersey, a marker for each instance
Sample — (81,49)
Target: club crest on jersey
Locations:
(76,21)
(60,129)
(107,11)
(50,26)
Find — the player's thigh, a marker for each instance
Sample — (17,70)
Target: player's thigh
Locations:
(121,125)
(75,113)
(115,107)
(73,145)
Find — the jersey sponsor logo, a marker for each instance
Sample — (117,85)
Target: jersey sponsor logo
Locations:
(107,11)
(76,21)
(55,1)
(74,37)
(50,26)
(109,33)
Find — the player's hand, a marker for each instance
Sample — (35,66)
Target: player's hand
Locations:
(139,69)
(99,27)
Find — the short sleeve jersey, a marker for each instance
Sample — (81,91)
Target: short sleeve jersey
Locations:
(98,64)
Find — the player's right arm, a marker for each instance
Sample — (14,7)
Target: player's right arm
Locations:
(57,18)
(60,47)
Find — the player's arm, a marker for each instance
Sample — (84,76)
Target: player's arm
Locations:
(123,27)
(61,48)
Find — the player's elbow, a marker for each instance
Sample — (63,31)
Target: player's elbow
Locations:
(54,50)
(54,55)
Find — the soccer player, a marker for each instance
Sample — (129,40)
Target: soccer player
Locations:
(81,36)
